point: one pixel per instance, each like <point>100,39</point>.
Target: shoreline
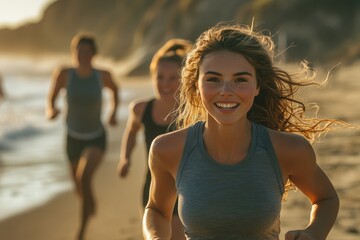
<point>118,204</point>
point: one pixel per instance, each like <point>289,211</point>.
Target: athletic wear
<point>151,130</point>
<point>75,147</point>
<point>240,201</point>
<point>83,120</point>
<point>84,98</point>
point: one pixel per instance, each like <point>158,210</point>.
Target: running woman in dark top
<point>151,130</point>
<point>86,136</point>
<point>155,114</point>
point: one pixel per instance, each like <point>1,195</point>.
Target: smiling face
<point>227,85</point>
<point>166,80</point>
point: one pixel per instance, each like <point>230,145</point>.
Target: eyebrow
<point>236,74</point>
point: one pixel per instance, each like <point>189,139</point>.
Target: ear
<point>257,91</point>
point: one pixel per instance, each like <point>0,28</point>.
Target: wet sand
<point>119,199</point>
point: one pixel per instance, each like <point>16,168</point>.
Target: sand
<point>119,199</point>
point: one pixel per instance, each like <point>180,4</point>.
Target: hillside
<point>321,31</point>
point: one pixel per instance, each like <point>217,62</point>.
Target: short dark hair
<point>84,38</point>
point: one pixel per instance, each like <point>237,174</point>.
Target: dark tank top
<point>151,129</point>
<point>84,98</point>
<point>220,201</point>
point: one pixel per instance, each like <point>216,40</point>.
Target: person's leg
<point>88,163</point>
<point>74,148</point>
<point>73,170</point>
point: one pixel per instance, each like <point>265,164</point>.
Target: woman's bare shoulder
<point>137,107</point>
<point>169,142</point>
<point>290,142</point>
<point>292,150</point>
<point>167,149</point>
<point>60,75</point>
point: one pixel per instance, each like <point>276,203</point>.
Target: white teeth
<point>226,105</point>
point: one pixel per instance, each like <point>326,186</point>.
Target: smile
<point>166,90</point>
<point>227,105</point>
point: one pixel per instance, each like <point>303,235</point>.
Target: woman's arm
<point>110,84</point>
<point>163,160</point>
<point>129,137</point>
<point>302,169</point>
<point>58,82</point>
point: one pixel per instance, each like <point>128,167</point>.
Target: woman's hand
<point>113,120</point>
<point>52,113</point>
<point>299,235</point>
<point>123,168</point>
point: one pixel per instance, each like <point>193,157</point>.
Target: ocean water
<point>30,157</point>
<point>33,164</point>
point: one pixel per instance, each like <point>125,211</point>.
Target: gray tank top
<point>84,99</point>
<point>219,201</point>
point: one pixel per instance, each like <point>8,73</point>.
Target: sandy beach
<point>118,215</point>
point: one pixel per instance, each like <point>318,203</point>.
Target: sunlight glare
<point>15,13</point>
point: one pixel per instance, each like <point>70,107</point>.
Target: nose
<point>166,82</point>
<point>226,88</point>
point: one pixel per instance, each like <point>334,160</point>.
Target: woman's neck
<point>227,144</point>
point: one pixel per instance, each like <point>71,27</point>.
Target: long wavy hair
<point>276,106</point>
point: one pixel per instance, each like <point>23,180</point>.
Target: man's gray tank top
<point>84,99</point>
<point>240,201</point>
